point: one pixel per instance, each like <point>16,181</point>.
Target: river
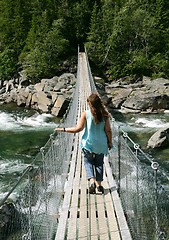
<point>140,127</point>
<point>23,132</point>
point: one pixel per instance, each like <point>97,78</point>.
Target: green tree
<point>44,59</point>
<point>81,19</point>
<point>123,36</point>
<point>6,23</point>
<point>15,22</point>
<point>21,24</point>
<point>94,38</point>
<point>8,64</point>
<point>132,35</point>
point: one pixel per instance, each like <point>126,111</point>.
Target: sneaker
<point>92,188</point>
<point>100,189</point>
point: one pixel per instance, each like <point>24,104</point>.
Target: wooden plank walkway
<point>90,216</point>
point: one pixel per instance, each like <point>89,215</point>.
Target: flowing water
<point>140,127</point>
<point>23,132</point>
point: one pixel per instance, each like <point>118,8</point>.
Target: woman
<point>96,140</point>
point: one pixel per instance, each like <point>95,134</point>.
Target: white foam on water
<point>13,195</point>
<point>11,166</point>
<point>38,120</point>
<point>7,121</point>
<point>11,121</point>
<point>139,123</point>
<point>151,123</point>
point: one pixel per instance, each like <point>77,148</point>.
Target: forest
<point>122,37</point>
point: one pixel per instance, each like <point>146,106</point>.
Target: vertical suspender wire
<point>29,236</point>
<point>138,221</point>
<point>119,160</point>
<point>154,166</point>
<point>45,189</point>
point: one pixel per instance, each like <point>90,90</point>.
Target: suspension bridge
<point>55,203</point>
<point>86,216</point>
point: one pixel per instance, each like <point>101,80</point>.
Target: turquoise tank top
<point>94,138</point>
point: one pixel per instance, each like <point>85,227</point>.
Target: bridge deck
<point>84,215</point>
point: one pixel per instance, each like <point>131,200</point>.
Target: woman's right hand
<point>110,145</point>
<point>59,129</point>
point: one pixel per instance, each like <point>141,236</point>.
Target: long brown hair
<point>97,108</point>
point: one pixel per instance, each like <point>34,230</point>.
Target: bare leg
<point>92,188</point>
<point>92,180</point>
<point>98,184</point>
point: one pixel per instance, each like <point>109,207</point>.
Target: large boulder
<point>44,102</point>
<point>49,95</point>
<point>60,106</point>
<point>67,78</point>
<point>22,95</point>
<point>119,95</point>
<point>159,139</point>
<point>142,101</point>
<point>139,95</point>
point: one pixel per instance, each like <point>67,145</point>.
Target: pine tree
<point>94,38</point>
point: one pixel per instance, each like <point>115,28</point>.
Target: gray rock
<point>145,101</point>
<point>119,95</point>
<point>54,96</point>
<point>28,100</point>
<point>59,86</point>
<point>21,97</point>
<point>2,90</point>
<point>43,102</point>
<point>50,82</point>
<point>39,86</point>
<point>42,96</point>
<point>67,78</point>
<point>159,139</point>
<point>145,95</point>
<point>60,106</point>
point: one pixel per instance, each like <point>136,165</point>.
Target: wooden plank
<point>72,221</point>
<point>83,221</point>
<point>111,218</point>
<point>61,230</point>
<point>102,220</point>
<point>73,211</point>
<point>93,221</point>
<point>122,223</point>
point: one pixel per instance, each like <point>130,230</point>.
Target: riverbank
<point>129,94</point>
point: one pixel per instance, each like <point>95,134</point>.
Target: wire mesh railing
<point>33,215</point>
<point>143,188</point>
<point>90,76</point>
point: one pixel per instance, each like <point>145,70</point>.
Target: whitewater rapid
<point>13,121</point>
